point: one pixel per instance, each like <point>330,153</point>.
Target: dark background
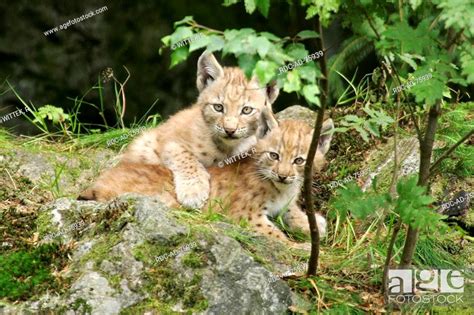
<point>59,67</point>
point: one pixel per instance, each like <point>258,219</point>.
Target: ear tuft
<point>327,131</point>
<point>268,121</point>
<point>272,91</point>
<point>208,70</point>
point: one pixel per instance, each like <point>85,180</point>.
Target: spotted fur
<point>254,189</point>
<point>231,111</point>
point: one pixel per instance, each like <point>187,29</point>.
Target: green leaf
<point>198,41</point>
<point>250,6</point>
<point>179,55</point>
<point>408,59</point>
<point>307,34</point>
<point>403,37</point>
<point>265,71</point>
<point>263,6</point>
<point>166,40</point>
<point>185,20</point>
<point>292,83</point>
<point>296,51</point>
<point>229,2</point>
<point>181,33</point>
<point>310,93</point>
<point>263,45</point>
<point>415,4</point>
<point>458,14</point>
<point>270,36</point>
<point>467,64</point>
<point>308,72</point>
<point>216,43</point>
<point>247,64</point>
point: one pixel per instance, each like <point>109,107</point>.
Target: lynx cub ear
<point>272,91</point>
<point>268,121</point>
<point>326,135</point>
<point>208,70</point>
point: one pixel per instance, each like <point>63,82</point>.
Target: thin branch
<point>426,150</point>
<point>450,150</point>
<point>122,92</point>
<point>197,25</point>
<point>308,168</point>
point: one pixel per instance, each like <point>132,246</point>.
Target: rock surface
<point>108,275</point>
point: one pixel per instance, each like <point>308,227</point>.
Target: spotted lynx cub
<point>229,114</point>
<point>254,189</point>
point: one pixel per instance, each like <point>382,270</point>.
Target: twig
<point>122,92</point>
<point>11,178</point>
<point>197,25</point>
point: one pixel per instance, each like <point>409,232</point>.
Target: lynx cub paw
<point>191,193</point>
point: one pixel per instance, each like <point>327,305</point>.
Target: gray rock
<point>154,222</point>
<point>298,112</point>
<point>236,284</point>
<point>96,292</point>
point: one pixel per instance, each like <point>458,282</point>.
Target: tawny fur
<point>201,136</point>
<point>253,189</point>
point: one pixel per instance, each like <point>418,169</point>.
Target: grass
<point>352,256</point>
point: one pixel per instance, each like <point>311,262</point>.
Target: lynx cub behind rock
<point>229,114</point>
<point>254,189</point>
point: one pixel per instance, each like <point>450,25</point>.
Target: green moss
<point>161,277</point>
<point>80,305</point>
<point>44,223</point>
<point>194,260</point>
<point>24,274</point>
<point>101,250</point>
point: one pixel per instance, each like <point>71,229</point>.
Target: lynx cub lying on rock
<point>228,115</point>
<point>257,187</point>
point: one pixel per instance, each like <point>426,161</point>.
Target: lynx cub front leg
<point>297,219</point>
<point>191,178</point>
<point>261,224</point>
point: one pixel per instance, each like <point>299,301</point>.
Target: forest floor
<point>36,172</point>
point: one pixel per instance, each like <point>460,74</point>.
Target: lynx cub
<point>254,189</point>
<point>229,114</point>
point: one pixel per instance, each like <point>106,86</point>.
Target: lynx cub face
<point>233,107</point>
<point>282,156</point>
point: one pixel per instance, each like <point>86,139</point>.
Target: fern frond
<point>354,51</point>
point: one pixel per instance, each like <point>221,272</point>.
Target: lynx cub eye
<point>298,161</point>
<point>274,156</point>
<point>218,107</point>
<point>247,110</point>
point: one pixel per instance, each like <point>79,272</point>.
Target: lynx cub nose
<point>229,132</point>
